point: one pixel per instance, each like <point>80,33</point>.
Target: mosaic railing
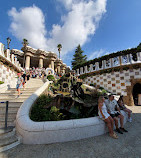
<point>6,55</point>
<point>112,62</point>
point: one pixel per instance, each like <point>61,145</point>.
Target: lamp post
<point>8,42</point>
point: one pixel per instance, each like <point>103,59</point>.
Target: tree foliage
<point>25,42</point>
<point>59,46</point>
<point>79,58</point>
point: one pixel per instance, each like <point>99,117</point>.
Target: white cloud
<point>79,24</point>
<point>97,54</point>
<point>29,23</point>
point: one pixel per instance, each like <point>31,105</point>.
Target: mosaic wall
<point>115,82</point>
<point>6,75</point>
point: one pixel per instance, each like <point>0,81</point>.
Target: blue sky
<point>100,26</point>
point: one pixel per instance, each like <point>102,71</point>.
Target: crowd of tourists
<point>110,112</point>
<point>25,75</point>
<point>33,72</point>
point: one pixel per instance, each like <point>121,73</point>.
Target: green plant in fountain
<point>39,111</point>
<point>50,78</point>
<point>1,82</point>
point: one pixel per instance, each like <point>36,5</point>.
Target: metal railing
<point>6,113</point>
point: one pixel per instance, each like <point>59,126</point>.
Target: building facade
<point>30,57</point>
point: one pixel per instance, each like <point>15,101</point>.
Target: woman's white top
<point>104,111</point>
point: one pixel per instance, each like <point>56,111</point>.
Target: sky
<point>99,26</point>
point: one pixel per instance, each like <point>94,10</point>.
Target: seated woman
<point>123,107</point>
<point>103,114</point>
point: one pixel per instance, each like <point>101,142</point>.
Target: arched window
<point>136,92</point>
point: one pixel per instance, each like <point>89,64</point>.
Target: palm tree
<point>59,46</point>
<point>25,43</point>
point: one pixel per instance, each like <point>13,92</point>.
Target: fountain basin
<point>55,131</point>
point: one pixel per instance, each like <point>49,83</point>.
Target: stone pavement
<point>127,146</point>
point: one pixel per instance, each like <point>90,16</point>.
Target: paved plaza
<point>127,146</point>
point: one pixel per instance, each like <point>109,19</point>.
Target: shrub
<point>50,78</point>
<point>40,113</point>
<point>1,82</point>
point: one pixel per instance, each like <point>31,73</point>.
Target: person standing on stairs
<point>19,84</point>
<point>24,76</point>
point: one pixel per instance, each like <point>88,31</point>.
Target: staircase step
<point>8,143</point>
<point>6,133</point>
<point>10,118</point>
<point>26,89</point>
<point>9,123</point>
<point>6,97</point>
<point>11,105</point>
<point>11,115</point>
<point>14,94</point>
<point>10,110</point>
<point>14,100</point>
<point>6,130</point>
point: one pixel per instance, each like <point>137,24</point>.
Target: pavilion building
<point>30,57</point>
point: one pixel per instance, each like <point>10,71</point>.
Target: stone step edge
<point>12,145</point>
<point>4,131</point>
<point>8,134</point>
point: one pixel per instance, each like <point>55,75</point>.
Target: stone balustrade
<point>110,63</point>
<point>6,55</point>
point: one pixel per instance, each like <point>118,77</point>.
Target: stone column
<point>58,68</point>
<point>85,69</point>
<point>15,61</point>
<point>120,61</point>
<point>40,62</point>
<point>97,66</point>
<point>104,64</point>
<point>12,58</point>
<point>52,64</point>
<point>7,54</point>
<point>111,60</point>
<point>1,49</point>
<point>139,56</point>
<point>91,67</point>
<point>27,62</point>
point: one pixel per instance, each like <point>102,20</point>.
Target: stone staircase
<point>14,103</point>
<point>8,139</point>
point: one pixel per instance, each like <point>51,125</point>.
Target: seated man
<point>114,111</point>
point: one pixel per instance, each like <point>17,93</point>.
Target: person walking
<point>19,84</point>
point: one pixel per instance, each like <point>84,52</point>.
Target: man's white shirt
<point>111,106</point>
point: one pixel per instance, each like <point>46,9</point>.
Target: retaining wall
<point>55,131</point>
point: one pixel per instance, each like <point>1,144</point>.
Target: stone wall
<point>9,67</point>
<point>6,74</point>
<point>117,82</point>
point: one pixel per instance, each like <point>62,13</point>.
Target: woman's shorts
<point>115,115</point>
<point>18,86</point>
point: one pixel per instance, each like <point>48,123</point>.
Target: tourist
<point>19,84</point>
<point>114,111</point>
<point>123,107</point>
<point>28,75</point>
<point>103,114</point>
<point>23,74</point>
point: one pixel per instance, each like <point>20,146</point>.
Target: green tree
<point>25,42</point>
<point>59,46</point>
<point>79,58</point>
<point>139,46</point>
